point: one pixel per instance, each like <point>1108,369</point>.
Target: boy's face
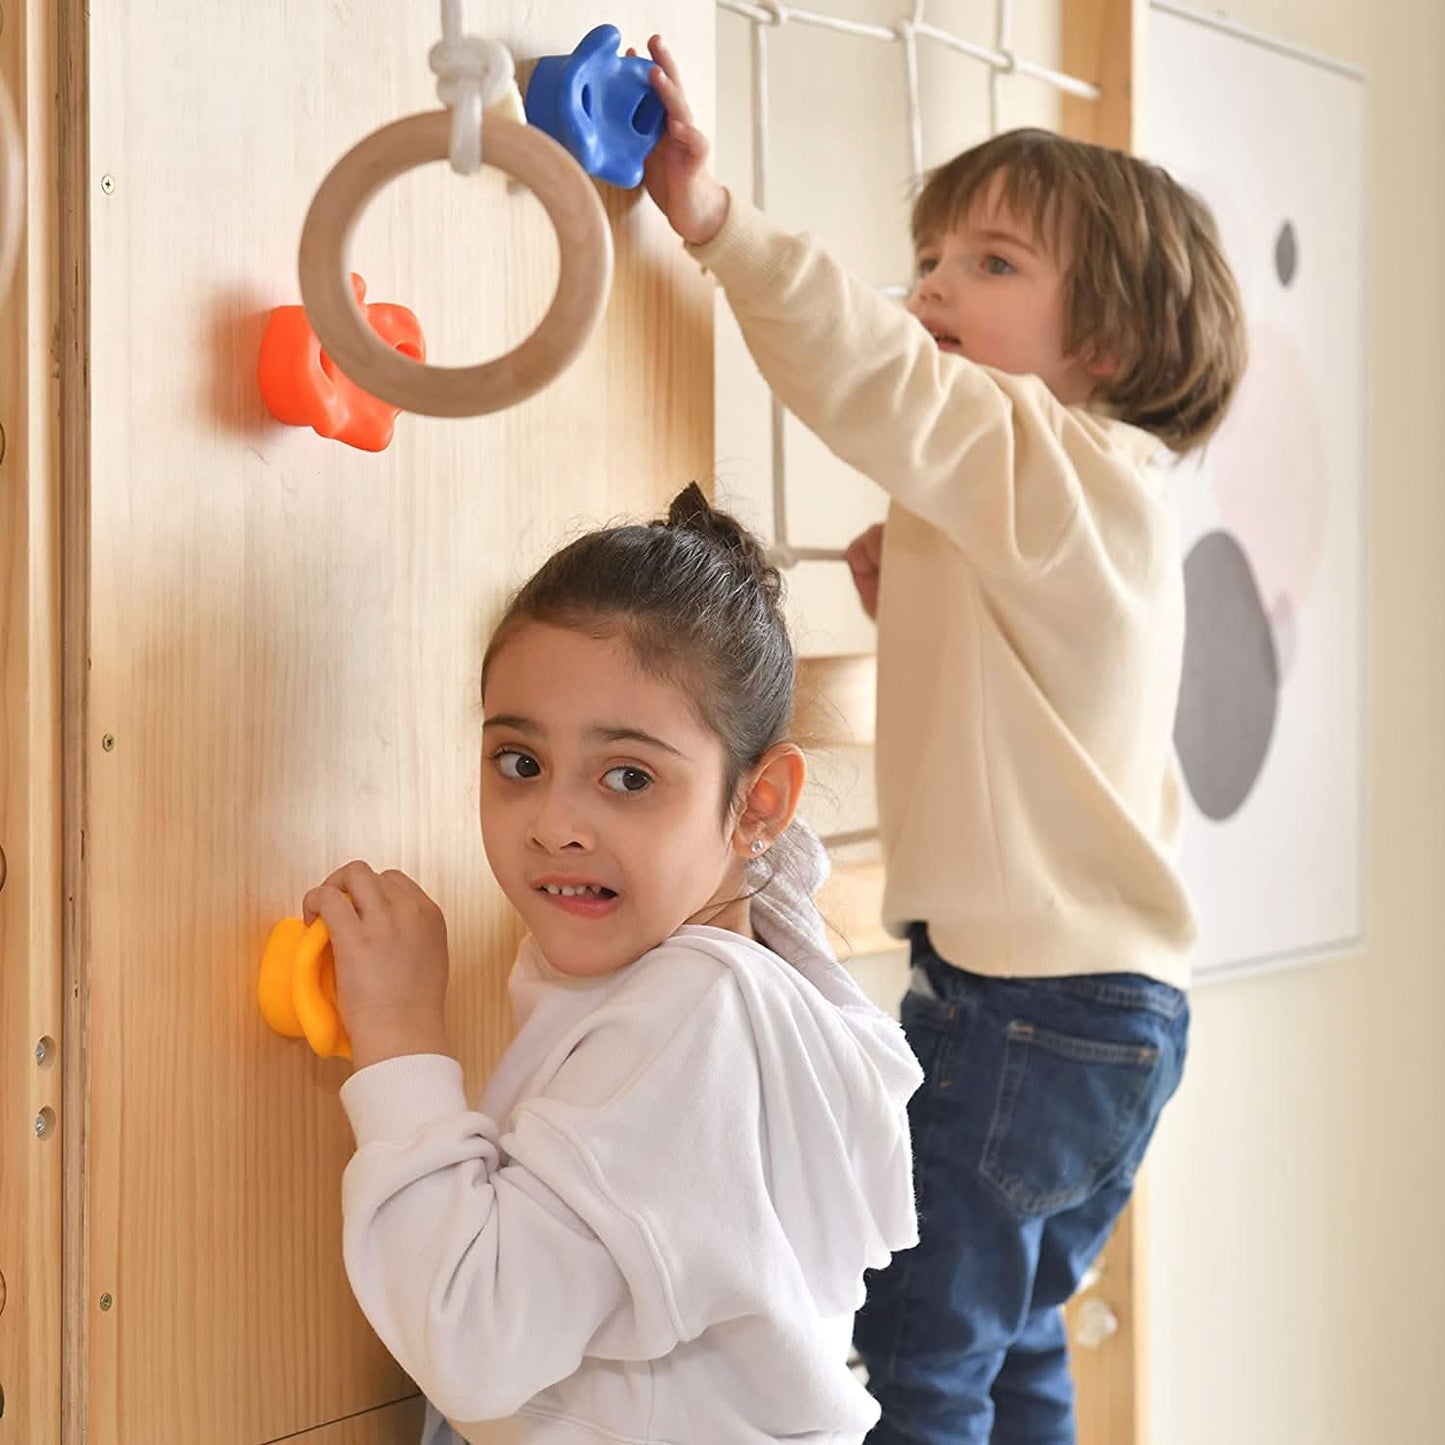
<point>992,290</point>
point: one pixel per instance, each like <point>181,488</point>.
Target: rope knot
<point>472,74</point>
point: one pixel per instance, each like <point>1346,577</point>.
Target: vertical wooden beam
<point>32,1039</point>
<point>1109,1337</point>
<point>72,186</point>
<point>1102,41</point>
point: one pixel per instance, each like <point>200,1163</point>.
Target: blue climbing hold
<point>600,105</point>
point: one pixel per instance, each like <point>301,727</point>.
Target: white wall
<point>1298,1272</point>
<point>1298,1277</point>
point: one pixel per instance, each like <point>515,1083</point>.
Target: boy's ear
<point>1101,365</point>
<point>770,796</point>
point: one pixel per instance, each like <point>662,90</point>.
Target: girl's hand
<point>390,944</point>
<point>676,174</point>
<point>865,562</point>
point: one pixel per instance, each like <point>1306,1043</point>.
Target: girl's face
<point>602,801</point>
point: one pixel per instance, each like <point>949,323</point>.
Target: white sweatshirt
<point>655,1227</point>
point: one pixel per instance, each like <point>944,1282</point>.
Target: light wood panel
<point>31,1034</point>
<point>1112,1372</point>
<point>836,701</point>
<point>851,902</point>
<point>1103,41</point>
<point>401,1421</point>
<point>284,643</point>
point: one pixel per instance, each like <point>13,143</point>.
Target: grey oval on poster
<point>1229,692</point>
<point>1286,254</point>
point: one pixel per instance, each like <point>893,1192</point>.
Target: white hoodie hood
<point>656,1226</point>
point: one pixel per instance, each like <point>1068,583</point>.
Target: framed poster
<point>1271,723</point>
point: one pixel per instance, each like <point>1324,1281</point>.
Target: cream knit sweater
<point>1030,628</point>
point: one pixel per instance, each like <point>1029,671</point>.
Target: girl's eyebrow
<point>614,734</point>
<point>514,723</point>
<point>632,735</point>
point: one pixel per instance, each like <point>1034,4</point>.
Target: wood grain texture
<point>1112,1378</point>
<point>1102,41</point>
<point>395,1424</point>
<point>30,758</point>
<point>285,636</point>
<point>837,701</point>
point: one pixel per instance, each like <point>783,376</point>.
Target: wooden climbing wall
<point>273,644</point>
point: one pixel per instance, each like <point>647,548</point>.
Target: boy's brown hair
<point>1148,285</point>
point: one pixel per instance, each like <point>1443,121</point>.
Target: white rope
<point>908,34</point>
<point>1000,60</point>
<point>472,74</point>
<point>768,12</point>
<point>777,420</point>
<point>1003,39</point>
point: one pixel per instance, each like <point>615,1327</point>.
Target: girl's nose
<point>559,824</point>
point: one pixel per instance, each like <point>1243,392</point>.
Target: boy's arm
<point>982,455</point>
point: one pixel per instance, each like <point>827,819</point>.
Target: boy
<point>1075,310</point>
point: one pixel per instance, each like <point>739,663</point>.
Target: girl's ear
<point>770,797</point>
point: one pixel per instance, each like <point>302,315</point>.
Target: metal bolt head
<point>45,1123</point>
<point>106,1301</point>
<point>107,184</point>
<point>108,742</point>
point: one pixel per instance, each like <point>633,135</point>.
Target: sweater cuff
<point>393,1101</point>
<point>744,255</point>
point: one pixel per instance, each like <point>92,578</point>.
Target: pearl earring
<point>757,846</point>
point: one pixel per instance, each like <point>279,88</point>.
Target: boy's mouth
<point>946,342</point>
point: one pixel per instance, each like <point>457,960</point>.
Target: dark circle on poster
<point>1229,692</point>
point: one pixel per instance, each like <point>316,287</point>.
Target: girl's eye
<point>996,266</point>
<point>626,780</point>
<point>517,765</point>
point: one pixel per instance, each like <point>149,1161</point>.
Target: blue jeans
<point>1039,1099</point>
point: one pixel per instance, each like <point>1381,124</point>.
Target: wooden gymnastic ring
<point>584,245</point>
<point>12,189</point>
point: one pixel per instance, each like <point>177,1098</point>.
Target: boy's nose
<point>925,289</point>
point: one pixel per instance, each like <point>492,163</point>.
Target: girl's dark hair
<point>700,605</point>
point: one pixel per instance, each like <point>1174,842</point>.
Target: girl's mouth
<point>584,900</point>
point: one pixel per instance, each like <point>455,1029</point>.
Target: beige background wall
<point>1297,1260</point>
<point>1297,1266</point>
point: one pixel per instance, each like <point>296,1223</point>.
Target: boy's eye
<point>926,264</point>
<point>517,765</point>
<point>626,779</point>
<point>997,265</point>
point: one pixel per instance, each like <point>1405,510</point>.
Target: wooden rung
<point>851,903</point>
<point>835,701</point>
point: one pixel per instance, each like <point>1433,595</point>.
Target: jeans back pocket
<point>1070,1111</point>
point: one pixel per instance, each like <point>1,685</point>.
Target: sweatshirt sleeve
<point>989,458</point>
<point>486,1280</point>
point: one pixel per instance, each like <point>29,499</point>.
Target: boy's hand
<point>390,944</point>
<point>865,561</point>
<point>676,174</point>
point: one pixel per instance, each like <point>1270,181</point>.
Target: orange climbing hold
<point>302,387</point>
<point>297,989</point>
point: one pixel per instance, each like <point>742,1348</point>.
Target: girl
<point>654,1228</point>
